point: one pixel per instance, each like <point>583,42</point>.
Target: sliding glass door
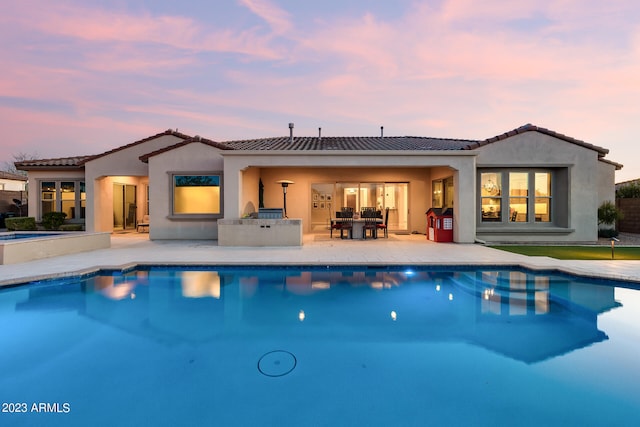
<point>396,198</point>
<point>329,198</point>
<point>124,207</point>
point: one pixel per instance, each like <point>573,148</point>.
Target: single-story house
<point>530,184</point>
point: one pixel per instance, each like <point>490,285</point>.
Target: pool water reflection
<point>358,346</point>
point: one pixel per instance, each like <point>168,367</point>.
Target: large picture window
<point>197,194</point>
<point>63,196</point>
<point>516,196</point>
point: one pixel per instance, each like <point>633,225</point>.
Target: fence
<point>8,205</point>
<point>630,208</point>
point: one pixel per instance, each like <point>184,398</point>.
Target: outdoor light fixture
<point>613,246</point>
<point>285,183</point>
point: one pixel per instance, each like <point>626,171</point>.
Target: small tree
<point>18,157</point>
<point>608,214</point>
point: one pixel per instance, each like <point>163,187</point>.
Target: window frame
<point>505,197</point>
<point>197,216</point>
<point>79,204</point>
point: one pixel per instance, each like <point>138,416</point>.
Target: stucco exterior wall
<point>250,191</point>
<point>121,163</point>
<point>585,179</point>
<point>191,158</point>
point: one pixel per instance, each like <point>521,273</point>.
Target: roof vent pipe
<point>381,131</point>
<point>291,132</point>
<point>319,132</point>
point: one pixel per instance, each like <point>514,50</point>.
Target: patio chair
<point>383,226</point>
<point>335,223</point>
<point>144,223</point>
<point>370,223</point>
<point>346,222</point>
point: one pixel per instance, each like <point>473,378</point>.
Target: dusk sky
<point>84,76</point>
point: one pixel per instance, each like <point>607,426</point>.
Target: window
<point>526,193</point>
<point>197,194</point>
<point>542,209</point>
<point>47,197</point>
<point>518,196</point>
<point>490,196</point>
<point>437,198</point>
<point>442,193</point>
<point>69,197</point>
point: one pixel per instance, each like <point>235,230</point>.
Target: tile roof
<point>344,143</point>
<point>531,128</point>
<point>79,161</point>
<point>305,143</point>
<point>141,141</point>
<point>59,163</point>
<point>197,138</point>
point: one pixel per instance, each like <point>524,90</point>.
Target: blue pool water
<point>315,346</point>
<point>18,236</point>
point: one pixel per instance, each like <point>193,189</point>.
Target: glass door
<point>392,195</point>
<point>396,198</point>
<point>124,207</point>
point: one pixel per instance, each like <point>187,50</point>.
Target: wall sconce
<point>285,184</point>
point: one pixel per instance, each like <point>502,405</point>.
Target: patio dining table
<point>358,224</point>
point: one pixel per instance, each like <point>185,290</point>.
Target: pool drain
<point>277,363</point>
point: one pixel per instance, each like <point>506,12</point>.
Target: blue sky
<point>85,76</point>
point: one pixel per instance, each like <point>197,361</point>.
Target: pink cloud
<point>108,26</point>
<point>278,19</point>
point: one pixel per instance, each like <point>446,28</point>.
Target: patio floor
<point>132,248</point>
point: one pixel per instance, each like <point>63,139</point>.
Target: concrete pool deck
<point>129,249</point>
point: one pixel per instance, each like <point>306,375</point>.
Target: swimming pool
<point>18,236</point>
<point>320,346</point>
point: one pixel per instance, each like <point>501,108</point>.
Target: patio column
<point>464,206</point>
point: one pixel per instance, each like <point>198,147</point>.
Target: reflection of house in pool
<point>533,318</point>
<point>523,316</point>
<point>191,312</point>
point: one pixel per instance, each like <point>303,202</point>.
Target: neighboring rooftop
<point>629,182</point>
<point>12,176</point>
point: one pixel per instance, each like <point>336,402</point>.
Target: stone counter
<point>259,232</point>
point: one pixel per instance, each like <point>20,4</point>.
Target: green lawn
<point>575,252</point>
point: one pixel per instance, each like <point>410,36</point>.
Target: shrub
<point>608,214</point>
<point>20,223</point>
<point>53,220</point>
